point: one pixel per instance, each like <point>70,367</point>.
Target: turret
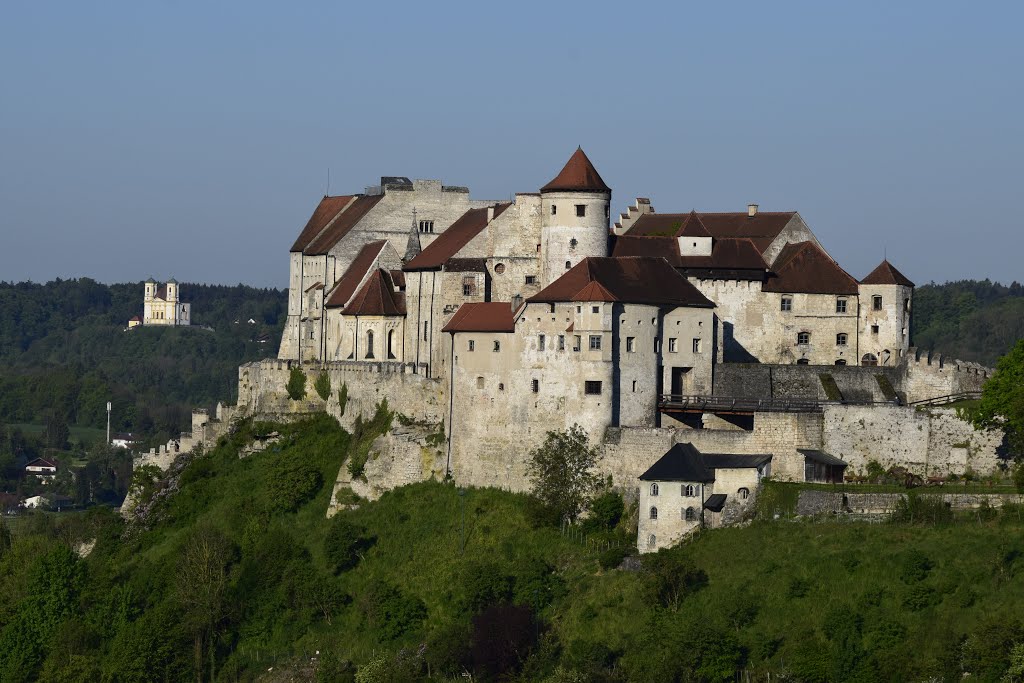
<point>574,209</point>
<point>885,301</point>
<point>172,290</point>
<point>150,289</point>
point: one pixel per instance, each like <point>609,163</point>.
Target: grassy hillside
<point>239,571</point>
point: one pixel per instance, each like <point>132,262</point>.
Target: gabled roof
<point>726,254</point>
<point>452,240</point>
<point>683,462</point>
<point>802,267</point>
<point>377,297</point>
<point>822,457</point>
<point>325,211</point>
<point>41,462</point>
<point>357,270</point>
<point>341,224</point>
<point>886,274</point>
<point>490,316</point>
<point>578,175</point>
<point>635,280</point>
<point>693,227</point>
<point>762,228</point>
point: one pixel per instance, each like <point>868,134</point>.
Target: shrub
<point>915,567</point>
<point>343,397</point>
<point>292,482</point>
<point>921,509</point>
<point>919,597</point>
<point>605,512</point>
<point>483,584</point>
<point>670,577</point>
<point>612,557</point>
<point>389,611</point>
<point>798,587</point>
<point>323,385</point>
<point>344,544</point>
<point>874,470</point>
<point>296,386</point>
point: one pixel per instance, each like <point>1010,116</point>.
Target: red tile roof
<point>726,254</point>
<point>693,227</point>
<point>452,240</point>
<point>637,280</point>
<point>341,224</point>
<point>377,297</point>
<point>578,175</point>
<point>886,274</point>
<point>762,228</point>
<point>357,270</point>
<point>491,316</point>
<point>325,211</point>
<point>802,267</point>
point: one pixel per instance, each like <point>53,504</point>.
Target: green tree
<point>323,385</point>
<point>296,386</point>
<point>1002,399</point>
<point>343,544</point>
<point>561,471</point>
<point>343,397</point>
<point>670,576</point>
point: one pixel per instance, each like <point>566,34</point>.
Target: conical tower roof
<point>578,175</point>
<point>413,246</point>
<point>886,274</point>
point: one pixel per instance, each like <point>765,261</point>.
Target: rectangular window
<point>469,286</point>
<point>579,309</point>
<point>471,346</point>
<point>497,346</point>
<point>561,342</point>
<point>531,279</point>
<point>425,323</point>
<point>840,339</point>
<point>841,305</point>
<point>554,209</point>
<point>541,342</point>
<point>591,388</point>
<point>595,342</point>
<point>803,338</point>
<point>630,344</point>
<point>577,342</point>
<point>581,210</point>
<point>535,385</point>
<point>876,302</point>
<point>696,345</point>
<point>426,226</point>
<point>787,303</point>
<point>595,309</point>
<point>672,345</point>
<point>874,329</point>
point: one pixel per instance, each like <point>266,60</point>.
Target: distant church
<point>162,307</point>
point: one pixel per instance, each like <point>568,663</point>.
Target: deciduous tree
<point>562,472</point>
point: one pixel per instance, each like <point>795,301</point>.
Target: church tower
<point>574,210</point>
<point>172,291</point>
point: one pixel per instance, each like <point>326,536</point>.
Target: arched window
<point>743,493</point>
<point>391,344</point>
<point>690,515</point>
<point>369,344</point>
<point>803,338</point>
<point>803,361</point>
<point>841,361</point>
<point>568,265</point>
<point>652,541</point>
<point>654,513</point>
<point>689,490</point>
<point>654,489</point>
<point>869,359</point>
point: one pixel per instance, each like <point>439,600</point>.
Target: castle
<point>701,352</point>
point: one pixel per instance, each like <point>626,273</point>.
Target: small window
<point>654,512</point>
<point>652,541</point>
<point>634,386</point>
<point>841,305</point>
<point>531,279</point>
<point>689,490</point>
<point>803,338</point>
<point>369,343</point>
<point>501,386</point>
<point>554,209</point>
<point>581,210</point>
<point>499,268</point>
<point>690,515</point>
<point>630,344</point>
<point>654,489</point>
<point>876,302</point>
<point>841,339</point>
<point>573,243</point>
<point>577,342</point>
<point>743,493</point>
<point>579,309</point>
<point>497,346</point>
<point>591,388</point>
<point>561,342</point>
<point>469,286</point>
<point>595,309</point>
<point>535,385</point>
<point>869,359</point>
<point>696,345</point>
<point>568,265</point>
<point>471,346</point>
<point>787,303</point>
<point>672,348</point>
<point>803,361</point>
<point>427,226</point>
<point>551,308</point>
<point>874,329</point>
<point>479,382</point>
<point>426,329</point>
<point>595,342</point>
<point>541,342</point>
<point>841,361</point>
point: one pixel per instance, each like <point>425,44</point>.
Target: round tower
<point>574,213</point>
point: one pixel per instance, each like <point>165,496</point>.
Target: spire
<point>412,247</point>
<point>578,175</point>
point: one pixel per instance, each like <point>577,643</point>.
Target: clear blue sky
<point>192,139</point>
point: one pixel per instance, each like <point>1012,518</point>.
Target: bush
<point>612,557</point>
<point>390,612</point>
<point>343,545</point>
<point>605,512</point>
<point>296,386</point>
<point>292,482</point>
<point>915,567</point>
<point>921,509</point>
<point>670,577</point>
<point>343,398</point>
<point>323,385</point>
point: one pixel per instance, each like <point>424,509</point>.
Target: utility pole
<point>108,423</point>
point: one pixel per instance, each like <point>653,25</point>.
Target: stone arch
<point>654,512</point>
<point>869,359</point>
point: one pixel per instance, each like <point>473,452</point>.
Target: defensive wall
<point>811,503</point>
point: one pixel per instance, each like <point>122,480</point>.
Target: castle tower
<point>172,291</point>
<point>574,211</point>
<point>885,300</point>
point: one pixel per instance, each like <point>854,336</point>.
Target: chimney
<point>751,210</point>
<point>490,214</point>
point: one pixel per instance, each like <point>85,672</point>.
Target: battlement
<point>931,358</point>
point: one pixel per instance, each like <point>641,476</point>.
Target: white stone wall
<point>671,503</point>
<point>560,229</point>
<point>886,332</point>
